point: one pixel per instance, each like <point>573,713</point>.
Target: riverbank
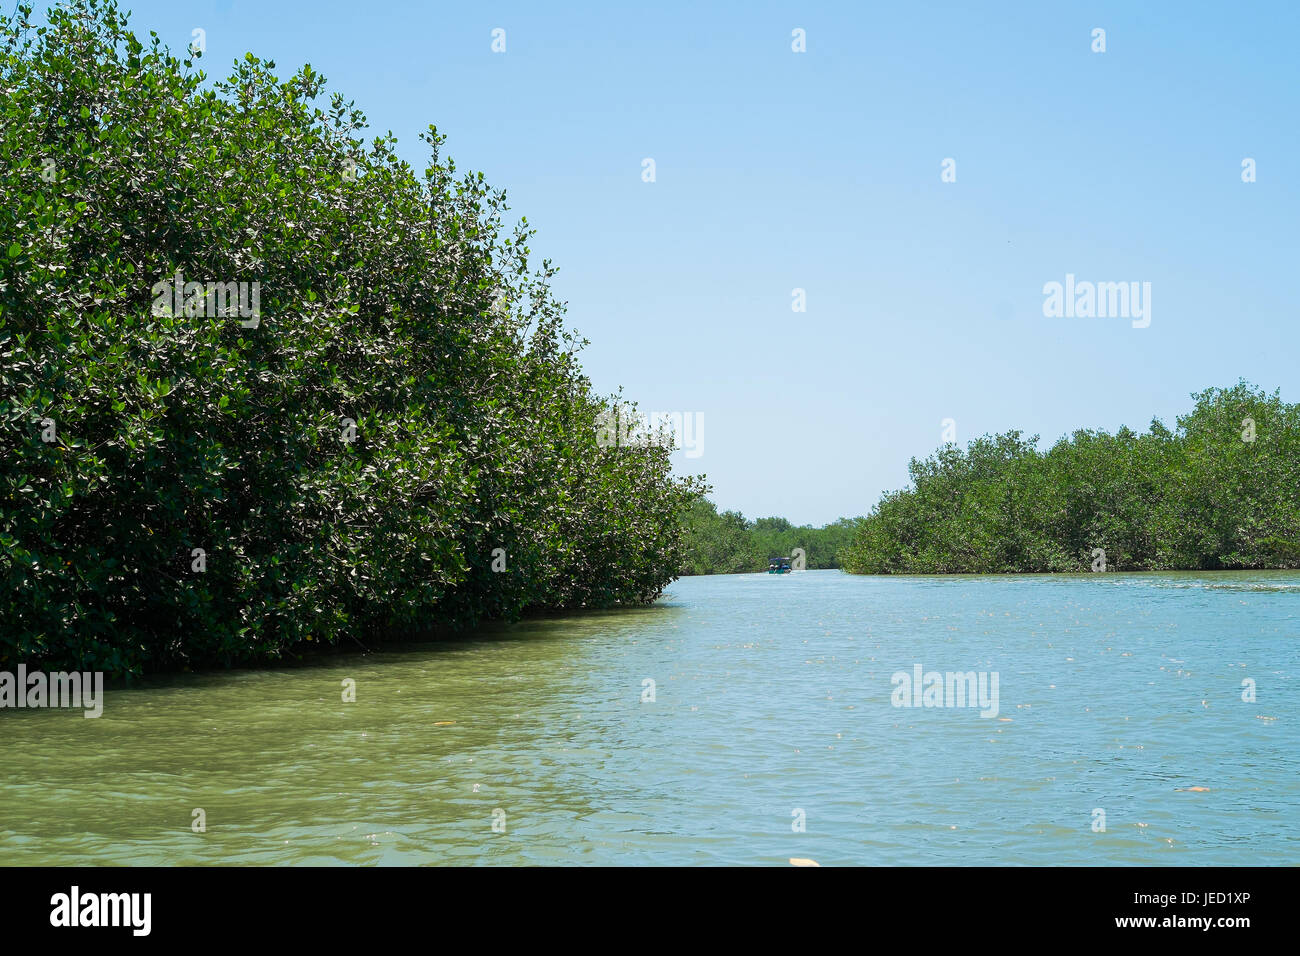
<point>1216,492</point>
<point>345,405</point>
<point>730,543</point>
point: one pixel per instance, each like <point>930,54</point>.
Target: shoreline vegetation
<point>264,386</point>
<point>1219,491</point>
<point>729,543</point>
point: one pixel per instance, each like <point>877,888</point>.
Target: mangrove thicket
<point>264,383</point>
<point>1220,490</point>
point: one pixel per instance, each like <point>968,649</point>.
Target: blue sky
<point>821,170</point>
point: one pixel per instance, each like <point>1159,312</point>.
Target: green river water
<point>773,704</point>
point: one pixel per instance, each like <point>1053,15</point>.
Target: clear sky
<point>821,170</point>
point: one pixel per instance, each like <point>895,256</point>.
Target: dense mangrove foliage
<point>262,383</point>
<point>1219,491</point>
<point>728,543</point>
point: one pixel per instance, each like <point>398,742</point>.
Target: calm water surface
<point>772,694</point>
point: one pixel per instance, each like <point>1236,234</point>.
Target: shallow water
<point>772,695</point>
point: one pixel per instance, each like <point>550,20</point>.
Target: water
<point>772,695</point>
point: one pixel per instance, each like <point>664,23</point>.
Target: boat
<point>778,566</point>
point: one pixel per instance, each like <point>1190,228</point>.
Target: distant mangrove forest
<point>1221,490</point>
<point>729,543</point>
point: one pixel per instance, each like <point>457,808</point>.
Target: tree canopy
<point>1217,492</point>
<point>728,543</point>
<point>393,434</point>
